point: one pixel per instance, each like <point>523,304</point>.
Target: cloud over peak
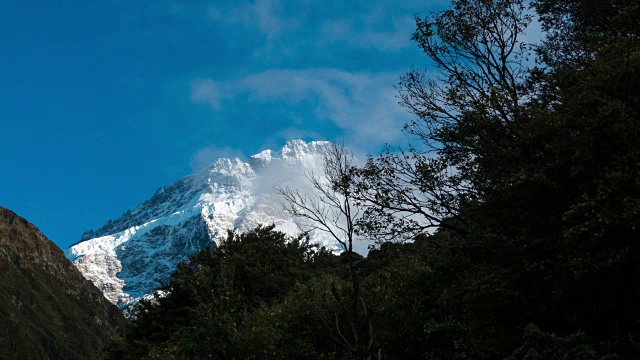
<point>362,104</point>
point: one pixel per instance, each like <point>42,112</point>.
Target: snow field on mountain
<point>127,256</point>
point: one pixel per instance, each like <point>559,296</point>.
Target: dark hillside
<point>48,310</point>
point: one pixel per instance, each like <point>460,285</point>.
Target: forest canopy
<point>520,200</point>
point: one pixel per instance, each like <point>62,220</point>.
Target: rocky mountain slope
<point>126,257</point>
<point>48,310</point>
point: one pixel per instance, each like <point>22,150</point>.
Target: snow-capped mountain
<point>126,256</point>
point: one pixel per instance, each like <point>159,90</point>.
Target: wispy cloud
<point>313,70</point>
<point>380,25</point>
<point>207,91</point>
<point>370,30</point>
<point>362,104</point>
<point>267,16</point>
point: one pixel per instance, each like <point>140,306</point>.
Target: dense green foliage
<point>227,303</point>
<point>523,213</point>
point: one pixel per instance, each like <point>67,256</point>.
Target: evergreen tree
<point>522,203</point>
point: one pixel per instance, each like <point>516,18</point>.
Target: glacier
<point>127,258</point>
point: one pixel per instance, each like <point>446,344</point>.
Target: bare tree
<point>407,194</point>
<point>333,210</point>
<point>465,108</point>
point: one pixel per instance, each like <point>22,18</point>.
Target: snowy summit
<point>126,256</point>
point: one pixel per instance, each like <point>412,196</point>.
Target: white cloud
<point>267,16</point>
<point>364,34</point>
<point>206,91</point>
<point>382,25</point>
<point>364,105</point>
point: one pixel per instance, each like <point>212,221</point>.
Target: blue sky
<point>105,101</point>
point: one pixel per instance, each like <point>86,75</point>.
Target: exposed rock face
<point>48,310</point>
<point>125,257</point>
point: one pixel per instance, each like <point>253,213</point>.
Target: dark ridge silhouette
<point>48,310</point>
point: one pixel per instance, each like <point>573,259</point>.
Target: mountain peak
<point>227,165</point>
<point>235,168</point>
<point>261,159</point>
<point>299,149</point>
<point>126,256</point>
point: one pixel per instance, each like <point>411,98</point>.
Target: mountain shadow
<point>48,310</point>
